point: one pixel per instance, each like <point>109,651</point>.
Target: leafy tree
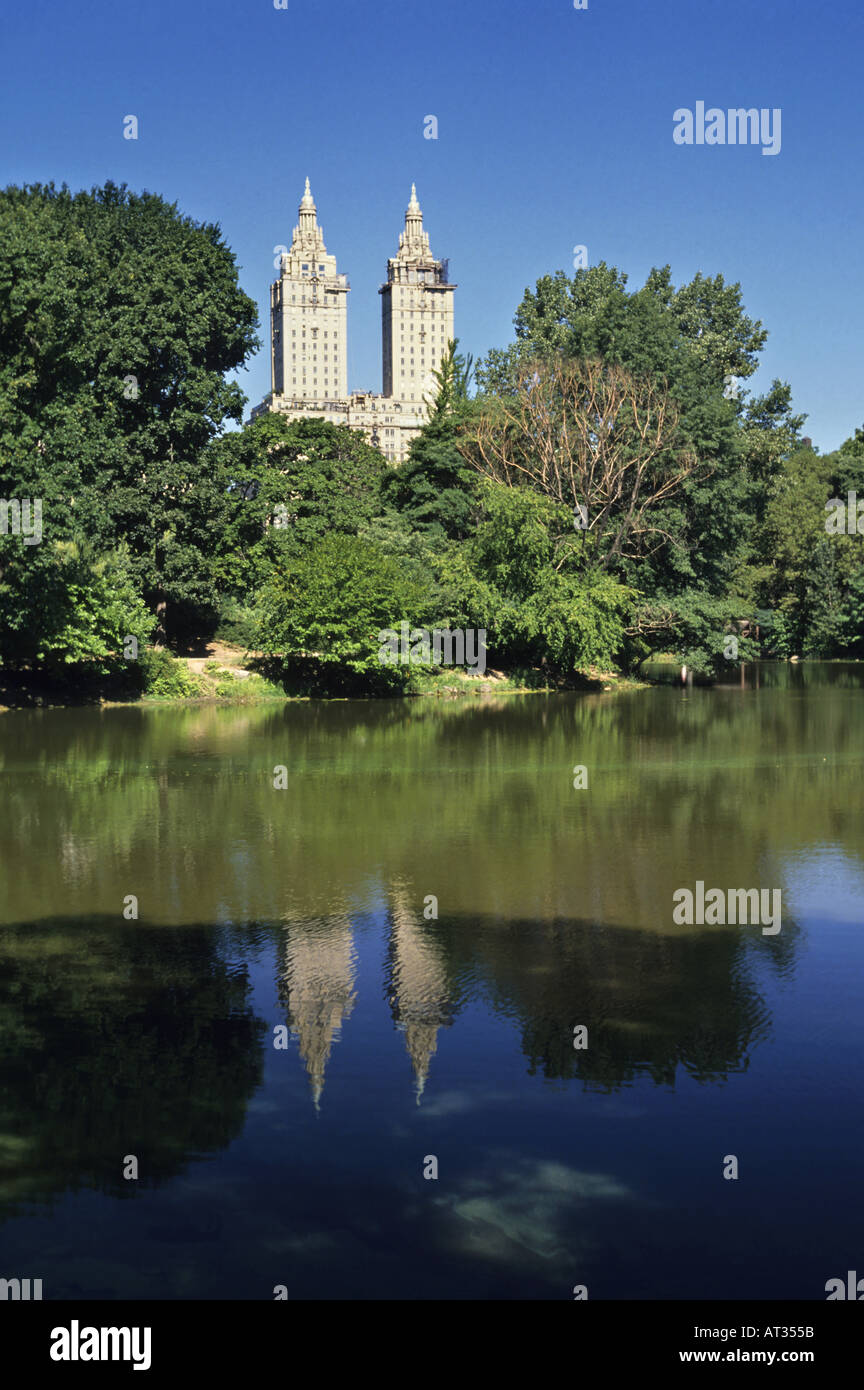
<point>322,611</point>
<point>452,383</point>
<point>823,602</point>
<point>655,329</point>
<point>164,676</point>
<point>691,341</point>
<point>69,606</point>
<point>714,565</point>
<point>711,318</point>
<point>287,484</point>
<point>520,582</point>
<point>697,628</point>
<point>850,629</point>
<point>119,319</point>
<point>846,467</point>
<point>793,525</point>
<point>590,436</point>
<point>435,489</point>
<point>836,603</point>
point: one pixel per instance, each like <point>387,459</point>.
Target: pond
<point>387,1000</point>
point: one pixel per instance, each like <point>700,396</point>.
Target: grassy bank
<point>221,672</point>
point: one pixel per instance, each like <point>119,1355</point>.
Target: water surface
<point>297,913</point>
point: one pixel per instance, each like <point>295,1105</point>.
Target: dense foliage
<point>601,490</point>
<point>119,319</point>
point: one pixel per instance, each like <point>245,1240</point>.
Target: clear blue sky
<point>555,129</point>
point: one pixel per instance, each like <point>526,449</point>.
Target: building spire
<point>414,240</point>
<point>308,228</point>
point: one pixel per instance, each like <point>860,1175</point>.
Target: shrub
<point>165,677</point>
<point>237,624</point>
<point>321,614</point>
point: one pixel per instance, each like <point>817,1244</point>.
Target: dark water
<point>410,1037</point>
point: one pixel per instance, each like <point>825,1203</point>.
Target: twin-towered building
<point>309,335</point>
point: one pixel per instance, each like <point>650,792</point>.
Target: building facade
<point>309,335</point>
<point>309,317</point>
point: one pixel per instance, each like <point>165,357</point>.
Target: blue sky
<point>554,130</point>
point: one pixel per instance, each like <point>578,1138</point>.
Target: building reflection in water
<point>418,990</point>
<point>658,1003</point>
<point>316,986</point>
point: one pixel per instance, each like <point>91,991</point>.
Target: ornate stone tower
<point>416,313</point>
<point>309,359</point>
<point>308,322</point>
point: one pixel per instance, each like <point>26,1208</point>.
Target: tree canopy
<point>119,321</point>
<point>603,488</point>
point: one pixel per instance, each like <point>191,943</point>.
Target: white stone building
<point>309,335</point>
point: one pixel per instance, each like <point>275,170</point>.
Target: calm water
<point>410,1037</point>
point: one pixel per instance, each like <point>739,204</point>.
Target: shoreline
<point>472,687</point>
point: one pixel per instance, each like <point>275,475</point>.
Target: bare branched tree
<point>595,438</point>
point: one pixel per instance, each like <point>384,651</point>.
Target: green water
<point>410,1035</point>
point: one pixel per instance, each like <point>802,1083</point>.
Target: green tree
<point>689,341</point>
<point>287,484</point>
<point>519,579</point>
<point>598,440</point>
<point>119,319</point>
<point>88,605</point>
<point>823,602</point>
<point>322,611</point>
<point>713,565</point>
<point>435,489</point>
